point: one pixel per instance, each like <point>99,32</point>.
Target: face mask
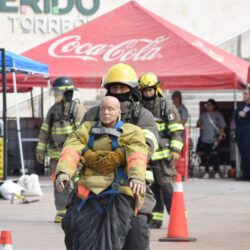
<point>68,95</point>
<point>58,97</point>
<point>121,97</point>
<point>146,98</point>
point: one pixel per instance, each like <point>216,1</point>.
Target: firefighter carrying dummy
<point>62,119</point>
<point>111,185</point>
<point>121,81</point>
<point>170,130</point>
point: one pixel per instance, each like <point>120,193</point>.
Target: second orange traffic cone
<point>6,240</point>
<point>177,227</point>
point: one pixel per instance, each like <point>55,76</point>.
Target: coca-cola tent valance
<point>134,35</point>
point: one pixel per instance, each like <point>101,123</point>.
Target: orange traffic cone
<point>6,241</point>
<point>177,227</point>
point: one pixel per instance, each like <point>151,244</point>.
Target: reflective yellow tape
<point>53,154</point>
<point>149,135</point>
<point>160,155</point>
<point>41,146</point>
<point>149,176</point>
<point>161,126</point>
<point>62,131</point>
<point>173,127</point>
<point>45,127</point>
<point>176,144</point>
<point>158,216</point>
<point>70,87</point>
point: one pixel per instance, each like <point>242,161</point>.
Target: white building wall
<point>212,20</point>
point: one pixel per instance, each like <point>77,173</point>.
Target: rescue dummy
<point>61,120</point>
<point>170,129</point>
<point>121,81</point>
<point>111,185</point>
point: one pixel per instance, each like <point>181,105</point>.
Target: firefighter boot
<point>157,220</point>
<point>59,215</point>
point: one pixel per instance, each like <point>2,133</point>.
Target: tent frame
<point>14,71</point>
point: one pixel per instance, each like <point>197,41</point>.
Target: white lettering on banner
<point>134,49</point>
<point>208,51</point>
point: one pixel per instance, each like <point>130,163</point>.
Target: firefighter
<point>121,81</point>
<point>110,181</point>
<point>62,119</point>
<point>170,130</point>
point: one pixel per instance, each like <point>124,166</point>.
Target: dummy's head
<point>110,111</point>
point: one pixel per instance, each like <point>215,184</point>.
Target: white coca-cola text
<point>134,49</point>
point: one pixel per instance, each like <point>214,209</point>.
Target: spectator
<point>211,124</point>
<point>177,100</point>
<point>242,133</point>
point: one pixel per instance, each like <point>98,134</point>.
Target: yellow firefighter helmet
<point>120,73</point>
<point>150,80</point>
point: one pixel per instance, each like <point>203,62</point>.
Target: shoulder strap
<point>136,111</point>
<point>114,132</point>
<point>71,110</point>
<point>212,123</point>
<point>52,117</point>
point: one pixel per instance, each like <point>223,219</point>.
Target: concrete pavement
<point>218,216</point>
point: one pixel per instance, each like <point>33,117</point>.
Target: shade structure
<point>26,67</point>
<point>14,64</point>
<point>134,35</point>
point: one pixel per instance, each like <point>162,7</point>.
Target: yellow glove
<point>40,157</point>
<point>174,156</point>
<point>104,162</point>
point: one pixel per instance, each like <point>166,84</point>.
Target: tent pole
<point>5,130</point>
<point>18,123</point>
<point>42,115</point>
<point>49,87</point>
<point>32,103</point>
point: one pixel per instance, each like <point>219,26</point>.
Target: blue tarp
<point>23,64</point>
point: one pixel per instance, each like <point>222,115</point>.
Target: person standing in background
<point>177,101</point>
<point>242,133</point>
<point>211,124</point>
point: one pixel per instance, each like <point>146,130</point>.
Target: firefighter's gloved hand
<point>62,180</point>
<point>174,156</point>
<point>40,157</point>
<point>104,162</point>
<point>137,186</point>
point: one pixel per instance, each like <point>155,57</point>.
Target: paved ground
<point>218,216</point>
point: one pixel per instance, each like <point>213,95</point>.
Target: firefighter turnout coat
<point>136,153</point>
<point>62,119</point>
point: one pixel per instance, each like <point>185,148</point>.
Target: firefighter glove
<point>40,157</point>
<point>174,156</point>
<point>137,186</point>
<point>104,162</point>
<point>62,180</point>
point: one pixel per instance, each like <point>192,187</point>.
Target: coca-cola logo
<point>134,49</point>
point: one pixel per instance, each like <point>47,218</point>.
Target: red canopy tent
<point>132,34</point>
